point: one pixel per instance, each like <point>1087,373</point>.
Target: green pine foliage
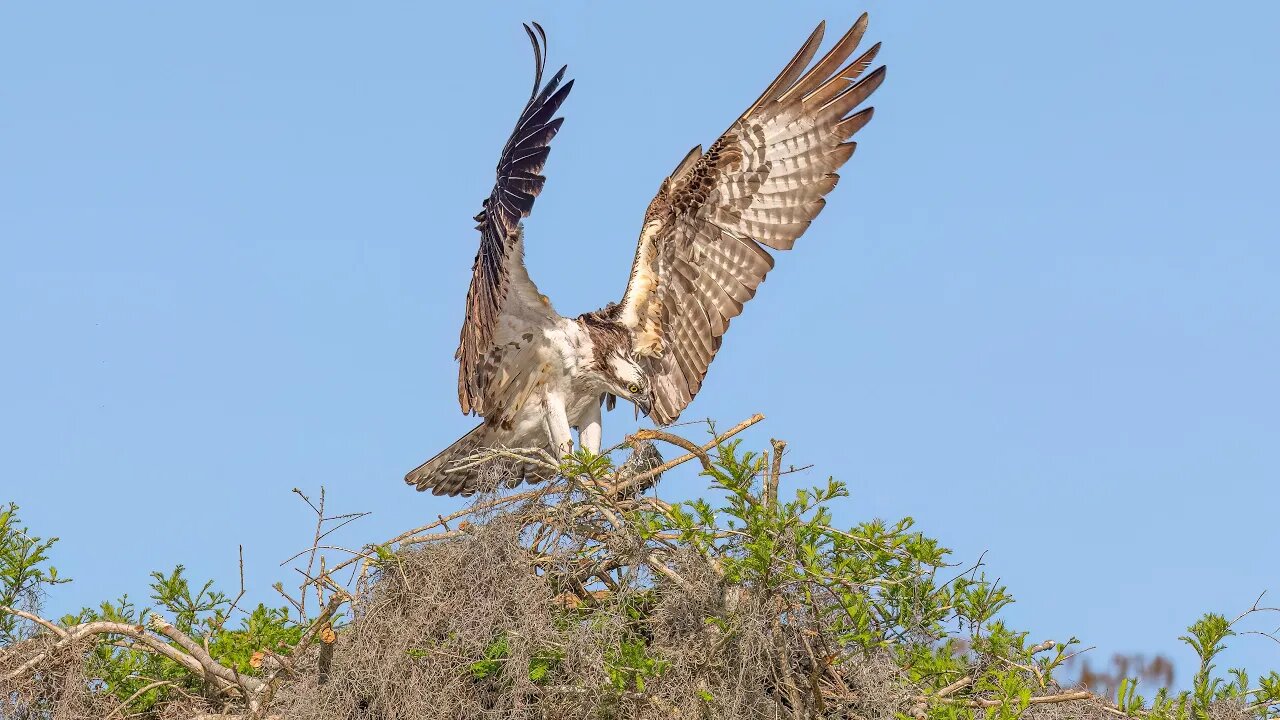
<point>25,572</point>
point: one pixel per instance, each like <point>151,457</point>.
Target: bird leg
<point>556,419</point>
<point>589,431</point>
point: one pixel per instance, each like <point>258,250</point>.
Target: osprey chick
<point>533,375</point>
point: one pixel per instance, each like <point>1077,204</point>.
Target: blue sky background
<point>1039,314</point>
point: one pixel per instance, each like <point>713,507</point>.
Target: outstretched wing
<point>700,254</point>
<point>518,184</point>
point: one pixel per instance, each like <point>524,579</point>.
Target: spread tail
<point>431,474</point>
<point>438,475</point>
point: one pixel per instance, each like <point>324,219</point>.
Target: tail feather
<point>438,476</point>
<point>430,474</point>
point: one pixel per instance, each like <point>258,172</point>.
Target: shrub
<point>589,597</point>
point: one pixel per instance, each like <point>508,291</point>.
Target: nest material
<point>537,605</point>
<point>413,651</point>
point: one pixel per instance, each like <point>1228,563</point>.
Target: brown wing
<point>518,183</point>
<point>701,253</point>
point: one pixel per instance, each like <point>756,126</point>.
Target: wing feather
<point>792,71</point>
<point>701,253</point>
<point>519,182</point>
<point>826,67</point>
<point>845,77</point>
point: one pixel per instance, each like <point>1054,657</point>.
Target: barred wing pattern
<point>700,254</point>
<point>519,182</point>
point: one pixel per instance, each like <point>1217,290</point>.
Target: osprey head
<point>625,378</point>
<point>615,362</point>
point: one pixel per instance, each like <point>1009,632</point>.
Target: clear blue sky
<point>1039,314</point>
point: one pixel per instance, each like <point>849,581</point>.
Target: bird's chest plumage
<point>570,368</point>
<point>534,361</point>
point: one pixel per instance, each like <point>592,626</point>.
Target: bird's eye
<point>633,388</point>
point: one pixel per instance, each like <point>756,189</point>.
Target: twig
<point>35,619</point>
<point>346,519</point>
<point>1041,647</point>
<point>433,537</point>
<point>302,495</point>
<point>1037,700</point>
<point>145,689</point>
<point>655,434</point>
<point>1255,608</point>
<point>670,574</point>
<point>278,587</point>
<point>234,603</point>
<point>775,474</point>
<point>315,547</point>
<point>473,509</point>
<point>650,474</point>
<point>339,548</point>
<point>953,687</point>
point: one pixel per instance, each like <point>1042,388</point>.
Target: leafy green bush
<point>584,598</point>
<point>200,614</point>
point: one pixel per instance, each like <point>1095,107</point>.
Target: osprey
<point>535,376</point>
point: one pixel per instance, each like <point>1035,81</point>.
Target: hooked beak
<point>642,406</point>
